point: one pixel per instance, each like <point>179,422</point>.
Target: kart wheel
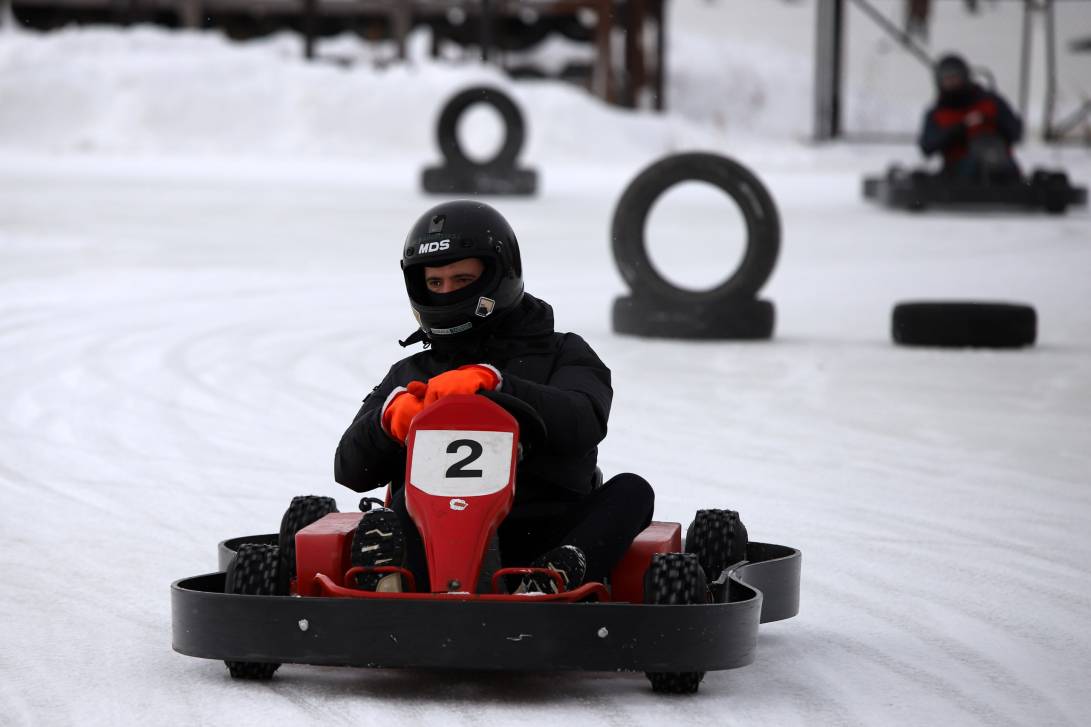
<point>253,572</point>
<point>718,538</point>
<point>1056,193</point>
<point>674,579</point>
<point>303,510</point>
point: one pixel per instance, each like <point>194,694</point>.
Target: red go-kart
<point>670,611</point>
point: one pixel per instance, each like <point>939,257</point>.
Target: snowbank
<point>150,91</point>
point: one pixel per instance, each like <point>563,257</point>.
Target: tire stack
<point>656,308</point>
<point>459,174</point>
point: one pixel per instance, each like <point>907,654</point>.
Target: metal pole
<point>829,26</point>
<point>1051,71</point>
<point>1024,57</point>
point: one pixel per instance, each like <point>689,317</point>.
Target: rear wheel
<point>1056,193</point>
<point>303,510</point>
<point>718,539</point>
<point>675,579</point>
<point>254,571</point>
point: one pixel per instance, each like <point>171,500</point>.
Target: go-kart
<point>671,609</point>
<point>995,183</point>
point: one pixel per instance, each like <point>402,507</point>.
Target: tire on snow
<point>718,538</point>
<point>254,572</point>
<point>738,319</point>
<point>754,201</point>
<point>303,510</point>
<point>514,135</point>
<point>674,579</point>
<point>964,324</point>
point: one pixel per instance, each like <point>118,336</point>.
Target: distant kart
<point>919,189</point>
<point>671,612</point>
<point>996,181</point>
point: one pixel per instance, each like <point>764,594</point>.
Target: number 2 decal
<point>458,468</point>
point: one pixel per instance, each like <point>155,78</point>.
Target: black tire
<point>964,324</point>
<point>447,128</point>
<point>515,34</point>
<point>1055,194</point>
<point>757,206</point>
<point>254,572</point>
<point>303,510</point>
<point>737,319</point>
<point>675,579</point>
<point>871,187</point>
<point>718,538</point>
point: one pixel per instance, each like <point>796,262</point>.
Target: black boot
<point>567,560</point>
<point>379,540</point>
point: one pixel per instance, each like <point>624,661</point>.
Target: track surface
<point>181,347</point>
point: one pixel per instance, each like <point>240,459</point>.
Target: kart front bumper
<point>491,635</point>
<point>917,190</point>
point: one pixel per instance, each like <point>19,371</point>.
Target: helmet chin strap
<point>417,336</point>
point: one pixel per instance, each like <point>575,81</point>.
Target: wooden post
<point>486,29</point>
<point>660,54</point>
<point>191,14</point>
<point>604,72</point>
<point>310,27</point>
<point>635,69</point>
<point>401,20</point>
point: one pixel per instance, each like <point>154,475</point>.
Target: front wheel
<point>303,510</point>
<point>675,579</point>
<point>718,538</point>
<point>253,571</point>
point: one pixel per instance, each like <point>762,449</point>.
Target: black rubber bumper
<point>917,190</point>
<point>483,635</point>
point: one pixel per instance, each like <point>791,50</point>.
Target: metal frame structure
<point>829,68</point>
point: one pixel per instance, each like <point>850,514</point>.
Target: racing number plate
<point>461,463</point>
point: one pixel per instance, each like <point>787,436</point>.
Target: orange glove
<point>400,409</point>
<point>463,380</point>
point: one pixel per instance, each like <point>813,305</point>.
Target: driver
<point>965,117</point>
<point>464,278</point>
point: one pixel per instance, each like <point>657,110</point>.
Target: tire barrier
<point>659,309</point>
<point>964,324</point>
<point>743,319</point>
<point>497,176</point>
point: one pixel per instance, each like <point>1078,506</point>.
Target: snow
<point>198,283</point>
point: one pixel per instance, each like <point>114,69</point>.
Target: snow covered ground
<point>185,333</point>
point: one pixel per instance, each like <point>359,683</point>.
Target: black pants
<point>602,524</point>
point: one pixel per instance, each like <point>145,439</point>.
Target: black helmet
<point>955,65</point>
<point>455,231</point>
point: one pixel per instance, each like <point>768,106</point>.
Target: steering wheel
<point>532,429</point>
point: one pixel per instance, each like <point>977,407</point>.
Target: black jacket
<point>943,129</point>
<point>556,373</point>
